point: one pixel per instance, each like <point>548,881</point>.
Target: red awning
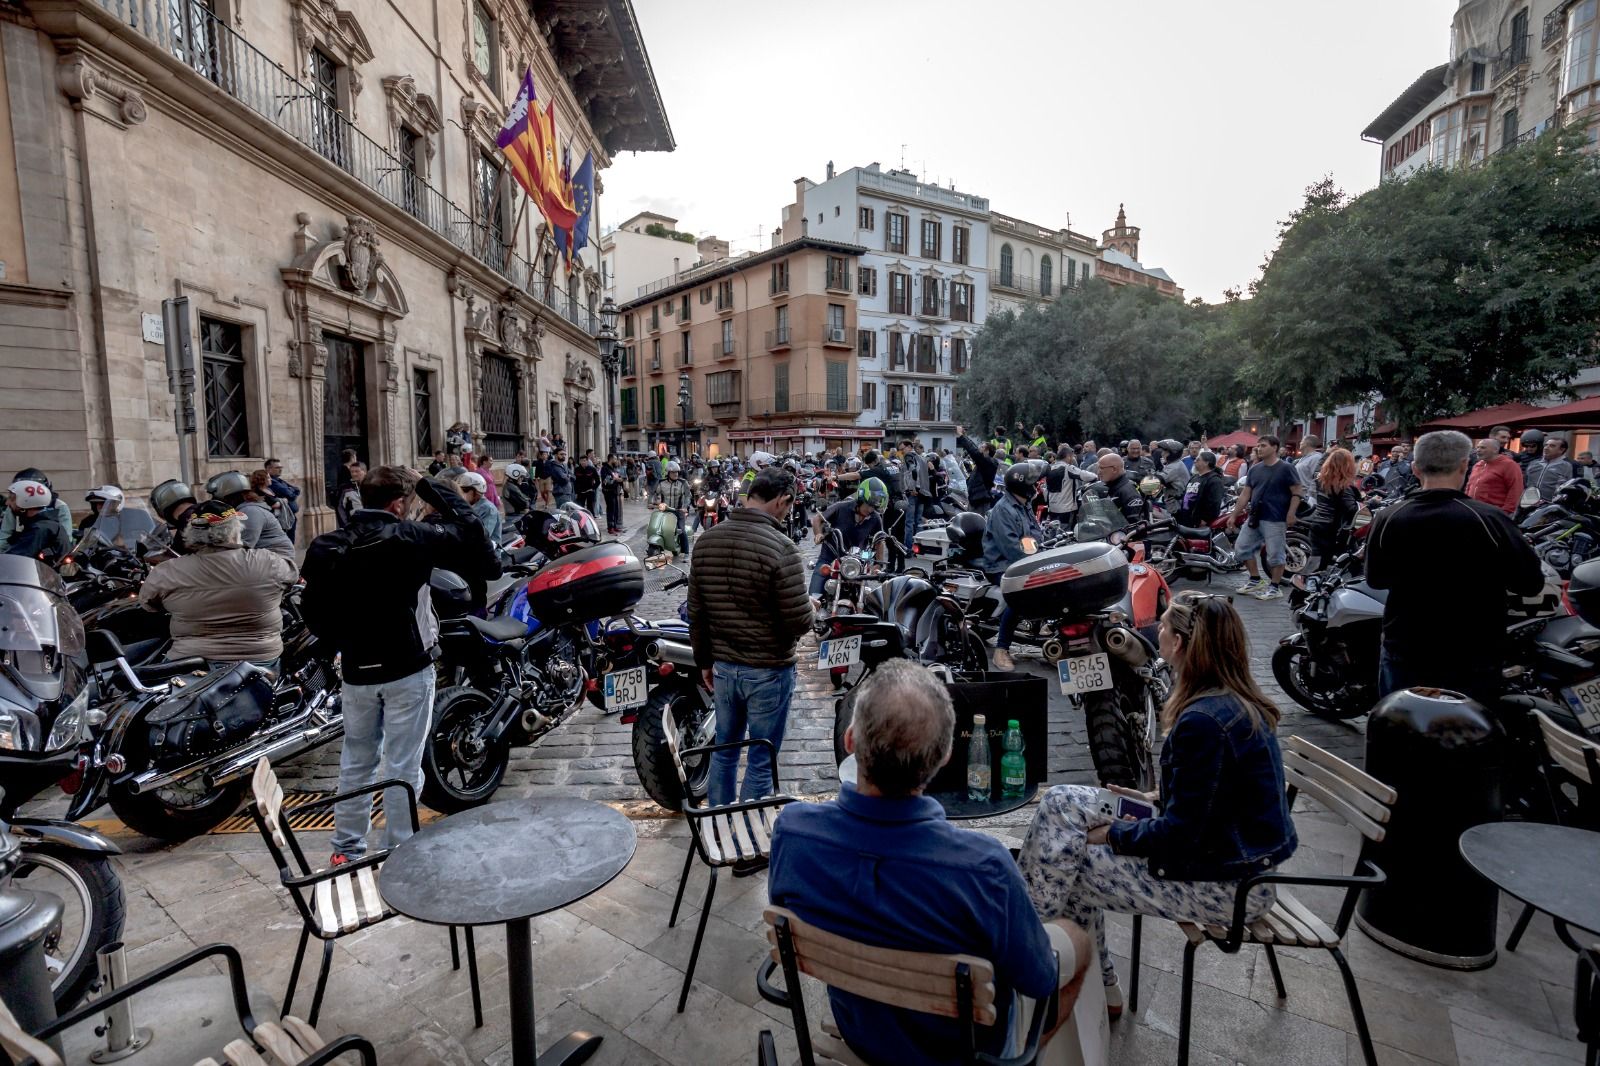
<point>1580,414</point>
<point>1505,414</point>
<point>1228,440</point>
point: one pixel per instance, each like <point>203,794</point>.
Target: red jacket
<point>1497,482</point>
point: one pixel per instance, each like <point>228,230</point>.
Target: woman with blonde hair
<point>1223,811</point>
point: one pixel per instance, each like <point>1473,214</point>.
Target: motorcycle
<point>1329,664</point>
<point>662,538</point>
<point>847,576</point>
<point>45,716</point>
<point>508,680</point>
<point>712,505</point>
<point>174,752</point>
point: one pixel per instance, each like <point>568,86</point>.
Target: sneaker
<point>748,867</point>
<point>338,859</point>
<point>1270,592</point>
<point>1003,660</point>
<point>1249,584</point>
<point>1114,999</point>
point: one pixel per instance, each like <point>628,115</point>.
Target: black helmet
<point>1020,478</point>
<point>1531,439</point>
<point>450,595</point>
<point>1171,447</point>
<point>166,497</point>
<point>1573,492</point>
<point>33,473</point>
<point>967,529</point>
<point>228,486</point>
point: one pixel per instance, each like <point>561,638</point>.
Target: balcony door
<point>344,405</point>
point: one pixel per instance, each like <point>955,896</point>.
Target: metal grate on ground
<point>317,821</point>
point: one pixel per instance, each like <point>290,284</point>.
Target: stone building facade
<point>764,346</point>
<point>1029,262</point>
<point>320,183</point>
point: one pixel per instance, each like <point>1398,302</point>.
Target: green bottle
<point>1013,768</point>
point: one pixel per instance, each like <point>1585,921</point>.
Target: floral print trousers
<point>1068,877</point>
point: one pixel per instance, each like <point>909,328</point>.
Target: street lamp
<point>685,398</point>
<point>610,358</point>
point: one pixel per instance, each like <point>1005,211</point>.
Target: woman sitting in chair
<point>1225,814</point>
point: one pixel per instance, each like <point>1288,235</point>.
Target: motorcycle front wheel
<point>695,719</point>
<point>1289,664</point>
<point>92,913</point>
<point>459,770</point>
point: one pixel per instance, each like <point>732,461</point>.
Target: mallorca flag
<point>528,140</point>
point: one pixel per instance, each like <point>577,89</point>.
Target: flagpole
<point>516,226</point>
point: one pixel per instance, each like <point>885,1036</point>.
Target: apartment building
<point>1516,68</point>
<point>648,248</point>
<point>319,181</point>
<point>757,352</point>
<point>1029,262</point>
<point>922,288</point>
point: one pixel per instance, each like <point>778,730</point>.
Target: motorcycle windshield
<point>38,627</point>
<point>123,529</point>
<point>1097,518</point>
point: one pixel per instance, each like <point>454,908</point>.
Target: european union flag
<point>583,202</point>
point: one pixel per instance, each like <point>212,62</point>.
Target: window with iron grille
<point>838,386</point>
<point>194,36</point>
<point>501,393</point>
<point>227,415</point>
<point>491,214</point>
<point>780,387</point>
<point>422,410</point>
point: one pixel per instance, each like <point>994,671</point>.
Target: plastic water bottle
<point>978,761</point>
<point>1013,768</point>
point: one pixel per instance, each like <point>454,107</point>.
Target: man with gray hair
<point>882,866</point>
<point>1448,562</point>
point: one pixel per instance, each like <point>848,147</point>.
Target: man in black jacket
<point>980,483</point>
<point>39,534</point>
<point>1120,487</point>
<point>1448,562</point>
<point>367,595</point>
<point>875,465</point>
<point>1205,497</point>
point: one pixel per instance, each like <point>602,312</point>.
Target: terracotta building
<point>318,181</point>
<point>1119,260</point>
<point>746,353</point>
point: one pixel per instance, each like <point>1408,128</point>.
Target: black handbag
<point>209,714</point>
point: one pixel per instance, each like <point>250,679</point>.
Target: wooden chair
<point>342,899</point>
<point>290,1042</point>
<point>949,986</point>
<point>1568,759</point>
<point>1586,1004</point>
<point>720,836</point>
<point>1361,800</point>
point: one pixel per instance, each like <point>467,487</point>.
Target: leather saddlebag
<point>209,714</point>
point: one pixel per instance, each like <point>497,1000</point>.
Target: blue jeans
<point>385,729</point>
<point>914,506</point>
<point>753,699</point>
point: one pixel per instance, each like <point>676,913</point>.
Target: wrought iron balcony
<point>198,40</point>
<point>778,338</point>
<point>727,349</point>
<point>804,403</point>
<point>839,337</point>
<point>932,312</point>
<point>1554,23</point>
<point>838,279</point>
<point>1016,282</point>
<point>1511,57</point>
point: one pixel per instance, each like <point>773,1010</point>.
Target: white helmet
<point>516,472</point>
<point>105,494</point>
<point>673,467</point>
<point>471,479</point>
<point>31,494</point>
<point>761,459</point>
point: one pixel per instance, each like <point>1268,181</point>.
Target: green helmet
<point>873,491</point>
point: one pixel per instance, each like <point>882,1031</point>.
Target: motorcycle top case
<point>587,585</point>
<point>1584,591</point>
<point>1076,579</point>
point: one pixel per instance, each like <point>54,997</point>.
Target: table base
<point>1432,958</point>
<point>570,1050</point>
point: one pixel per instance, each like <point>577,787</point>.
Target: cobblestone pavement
<point>590,755</point>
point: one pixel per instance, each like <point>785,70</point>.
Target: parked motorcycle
<point>508,680</point>
<point>45,716</point>
<point>1329,664</point>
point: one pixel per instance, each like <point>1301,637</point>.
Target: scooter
<point>662,538</point>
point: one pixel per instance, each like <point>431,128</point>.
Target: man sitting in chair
<point>882,866</point>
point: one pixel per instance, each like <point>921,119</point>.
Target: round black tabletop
<point>958,806</point>
<point>1553,867</point>
<point>506,861</point>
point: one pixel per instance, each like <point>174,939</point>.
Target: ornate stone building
<point>357,270</point>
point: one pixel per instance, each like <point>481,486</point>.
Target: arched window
<point>1005,265</point>
<point>1027,266</point>
<point>1044,275</point>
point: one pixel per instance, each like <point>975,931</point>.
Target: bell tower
<point>1123,237</point>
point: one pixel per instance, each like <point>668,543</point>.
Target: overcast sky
<point>1207,119</point>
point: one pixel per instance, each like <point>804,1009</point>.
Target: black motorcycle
<point>46,697</point>
<point>1329,664</point>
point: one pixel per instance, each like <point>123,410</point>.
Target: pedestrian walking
<point>367,596</point>
<point>1267,506</point>
<point>748,609</point>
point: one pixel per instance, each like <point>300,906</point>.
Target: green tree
<point>1454,289</point>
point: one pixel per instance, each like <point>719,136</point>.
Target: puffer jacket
<point>747,593</point>
<point>225,603</point>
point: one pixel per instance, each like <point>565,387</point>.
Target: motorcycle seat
<point>499,630</point>
<point>1194,532</point>
<point>1567,630</point>
<point>154,672</point>
<point>900,600</point>
<point>1381,595</point>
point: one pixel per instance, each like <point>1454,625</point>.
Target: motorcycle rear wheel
<point>695,718</point>
<point>94,909</point>
<point>1287,664</point>
<point>458,771</point>
<point>1114,740</point>
<point>155,816</point>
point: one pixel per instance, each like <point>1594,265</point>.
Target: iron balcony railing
<point>205,44</point>
<point>1554,23</point>
<point>727,349</point>
<point>778,338</point>
<point>805,403</point>
<point>1510,58</point>
<point>839,337</point>
<point>1016,282</point>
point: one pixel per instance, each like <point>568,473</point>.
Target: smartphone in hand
<point>1113,806</point>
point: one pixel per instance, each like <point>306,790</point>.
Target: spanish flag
<point>528,140</point>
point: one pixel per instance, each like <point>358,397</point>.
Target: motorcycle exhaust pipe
<point>1052,650</point>
<point>676,653</point>
<point>239,765</point>
<point>1126,646</point>
<point>652,650</point>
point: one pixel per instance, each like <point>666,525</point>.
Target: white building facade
<point>1032,263</point>
<point>922,289</point>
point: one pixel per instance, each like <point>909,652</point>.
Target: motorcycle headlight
<point>19,728</point>
<point>830,586</point>
<point>850,568</point>
<point>70,724</point>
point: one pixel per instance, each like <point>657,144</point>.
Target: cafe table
<point>505,864</point>
<point>1553,868</point>
<point>958,806</point>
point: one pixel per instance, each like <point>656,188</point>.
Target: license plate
<point>1085,673</point>
<point>840,651</point>
<point>625,689</point>
<point>1585,703</point>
